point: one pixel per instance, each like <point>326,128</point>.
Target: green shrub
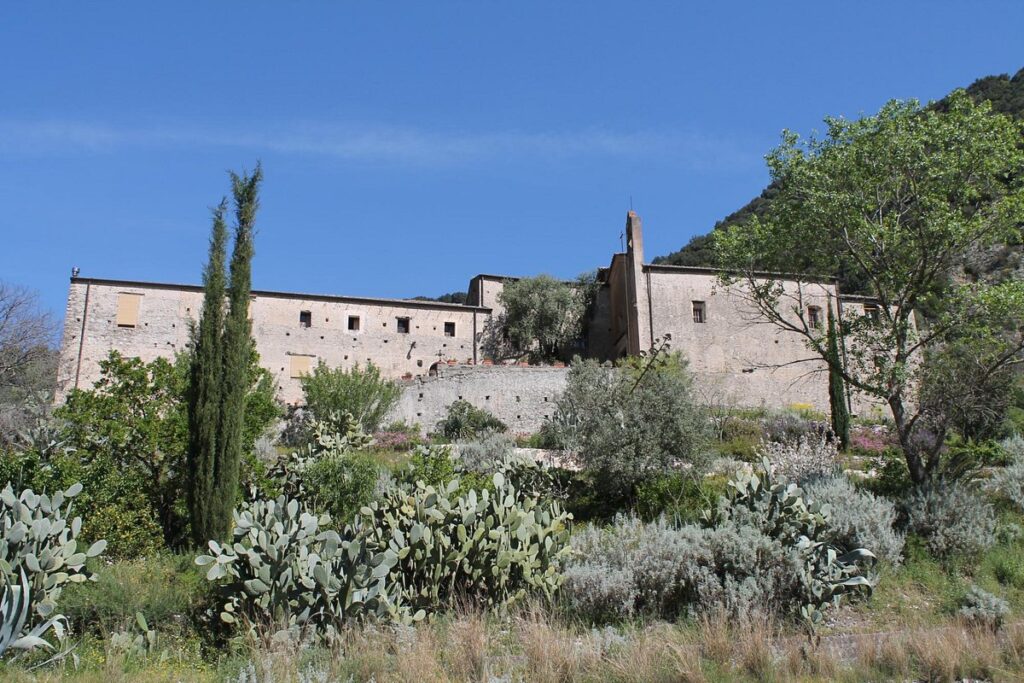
<point>128,437</point>
<point>466,421</point>
<point>858,519</point>
<point>953,519</point>
<point>978,453</point>
<point>168,589</point>
<point>1007,566</point>
<point>360,391</point>
<point>740,447</point>
<point>341,484</point>
<point>678,496</point>
<point>632,421</point>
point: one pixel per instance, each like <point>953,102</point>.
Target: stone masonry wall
<point>521,397</point>
<point>736,357</point>
<point>284,343</point>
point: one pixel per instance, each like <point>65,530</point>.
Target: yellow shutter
<point>128,309</point>
<point>300,366</point>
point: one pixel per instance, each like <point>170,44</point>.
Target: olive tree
<point>542,318</point>
<point>633,420</point>
<point>894,200</point>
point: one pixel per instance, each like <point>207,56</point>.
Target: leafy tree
<point>632,421</point>
<point>359,391</point>
<point>542,318</point>
<point>449,298</point>
<point>126,439</point>
<point>1006,94</point>
<point>895,198</point>
<point>220,373</point>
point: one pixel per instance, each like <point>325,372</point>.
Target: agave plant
<point>15,613</point>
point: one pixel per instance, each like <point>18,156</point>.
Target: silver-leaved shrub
<point>858,519</point>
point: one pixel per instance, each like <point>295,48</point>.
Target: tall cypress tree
<point>219,377</point>
<point>836,386</point>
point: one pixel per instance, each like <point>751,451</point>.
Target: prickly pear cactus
<point>776,507</point>
<point>285,568</point>
<point>491,547</point>
<point>38,536</point>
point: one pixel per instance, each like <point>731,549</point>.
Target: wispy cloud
<point>383,144</point>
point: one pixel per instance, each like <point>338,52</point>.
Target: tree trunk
<point>919,474</point>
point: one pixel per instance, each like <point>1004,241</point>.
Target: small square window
<point>699,312</point>
<point>353,323</point>
<point>305,319</point>
<point>403,325</point>
<point>872,311</point>
<point>449,329</point>
<point>813,316</point>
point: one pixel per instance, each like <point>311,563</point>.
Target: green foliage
<point>632,421</point>
<point>359,391</point>
<point>839,410</point>
<point>492,549</point>
<point>328,473</point>
<point>1006,95</point>
<point>542,318</point>
<point>132,423</point>
<point>896,199</point>
<point>677,496</point>
<point>221,370</point>
<point>341,484</point>
<point>285,569</point>
<point>39,540</point>
<point>466,421</point>
<point>126,440</point>
<point>954,520</point>
<point>168,589</point>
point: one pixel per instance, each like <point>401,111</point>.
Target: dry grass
<point>535,646</point>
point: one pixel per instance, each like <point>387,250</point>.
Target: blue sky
<point>408,146</point>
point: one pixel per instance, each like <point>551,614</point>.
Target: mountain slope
<point>1007,97</point>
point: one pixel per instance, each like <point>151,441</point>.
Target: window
<point>403,325</point>
<point>305,319</point>
<point>699,312</point>
<point>449,329</point>
<point>814,316</point>
<point>128,309</point>
<point>871,311</point>
<point>300,366</point>
<point>353,323</point>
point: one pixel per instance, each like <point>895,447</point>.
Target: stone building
<point>736,357</point>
